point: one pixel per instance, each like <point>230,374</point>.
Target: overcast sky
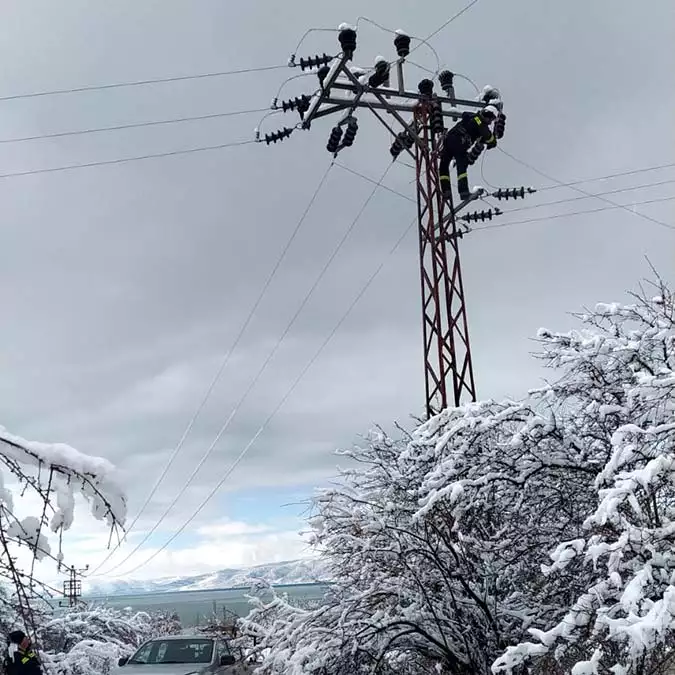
<point>122,286</point>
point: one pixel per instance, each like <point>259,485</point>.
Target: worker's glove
<point>491,144</point>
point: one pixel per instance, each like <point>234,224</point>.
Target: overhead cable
<point>124,160</point>
<point>278,407</point>
<point>207,394</point>
<point>278,343</point>
<point>577,213</point>
<point>140,83</point>
<point>589,194</point>
<point>133,125</point>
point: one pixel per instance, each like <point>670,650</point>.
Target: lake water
<point>194,607</point>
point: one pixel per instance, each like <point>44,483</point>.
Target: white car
<point>180,655</point>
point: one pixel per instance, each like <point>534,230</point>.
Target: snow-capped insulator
<point>426,88</point>
<point>402,44</point>
<point>512,193</point>
<point>347,38</point>
<point>334,139</point>
<point>500,125</point>
<point>475,151</point>
<point>489,93</point>
<point>315,61</point>
<point>278,135</point>
<point>446,79</point>
<point>322,73</point>
<point>299,103</point>
<point>475,216</point>
<point>436,118</point>
<point>350,132</point>
<point>381,75</point>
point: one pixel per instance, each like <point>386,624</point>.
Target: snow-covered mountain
<point>288,572</point>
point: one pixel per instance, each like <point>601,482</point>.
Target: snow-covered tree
<point>93,640</point>
<point>54,474</point>
<point>620,382</point>
<point>436,540</point>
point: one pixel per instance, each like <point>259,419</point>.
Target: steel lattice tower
<point>449,377</point>
<point>447,353</point>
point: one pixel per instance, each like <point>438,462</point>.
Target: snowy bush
<point>92,641</point>
<point>620,384</point>
<point>513,536</point>
<point>55,474</point>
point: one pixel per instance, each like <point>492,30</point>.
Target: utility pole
<point>72,587</point>
<point>448,366</point>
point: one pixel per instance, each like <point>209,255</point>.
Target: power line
<point>140,83</point>
<point>124,160</point>
<point>413,37</point>
<point>589,194</point>
<point>224,362</point>
<point>631,172</point>
<point>595,194</point>
<point>447,23</point>
<point>375,182</point>
<point>133,125</point>
<point>280,404</point>
<point>523,208</point>
<point>254,381</point>
<point>493,226</point>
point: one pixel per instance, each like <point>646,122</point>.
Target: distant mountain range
<point>288,572</point>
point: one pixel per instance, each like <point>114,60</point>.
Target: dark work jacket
<point>24,663</point>
<point>471,128</point>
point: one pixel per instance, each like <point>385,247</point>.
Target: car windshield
<point>188,650</point>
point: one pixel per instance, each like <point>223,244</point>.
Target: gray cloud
<point>121,287</point>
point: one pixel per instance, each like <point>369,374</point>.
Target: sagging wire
<point>412,37</point>
<point>291,60</point>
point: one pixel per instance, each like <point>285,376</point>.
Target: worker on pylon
<point>471,127</point>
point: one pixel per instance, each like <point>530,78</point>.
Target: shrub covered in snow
<point>92,641</point>
<point>54,474</point>
<point>503,536</point>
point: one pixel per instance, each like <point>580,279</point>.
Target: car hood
<point>161,669</point>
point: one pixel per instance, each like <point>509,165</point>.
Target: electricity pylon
<point>448,367</point>
<point>72,587</point>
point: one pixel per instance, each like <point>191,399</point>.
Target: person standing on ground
<point>20,659</point>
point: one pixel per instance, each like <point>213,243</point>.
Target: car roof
<point>181,637</point>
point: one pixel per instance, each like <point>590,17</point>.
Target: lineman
<point>472,127</point>
<point>20,659</point>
